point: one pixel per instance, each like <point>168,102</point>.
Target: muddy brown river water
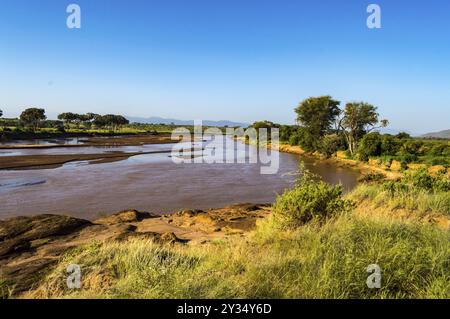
<point>151,182</point>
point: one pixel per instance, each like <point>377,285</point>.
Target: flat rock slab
<point>31,246</point>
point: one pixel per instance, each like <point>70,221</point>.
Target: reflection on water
<point>19,182</point>
<point>150,182</point>
<point>47,141</point>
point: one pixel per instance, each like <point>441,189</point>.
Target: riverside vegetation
<point>316,243</point>
<point>33,124</point>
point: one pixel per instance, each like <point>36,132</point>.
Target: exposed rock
<point>126,216</point>
<point>341,154</point>
<point>30,246</point>
<point>190,212</point>
<point>396,166</point>
<point>16,234</point>
<point>436,170</point>
<point>171,238</point>
<point>40,226</point>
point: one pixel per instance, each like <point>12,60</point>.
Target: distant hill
<point>441,134</point>
<point>160,120</point>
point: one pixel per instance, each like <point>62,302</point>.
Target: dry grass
<point>326,260</point>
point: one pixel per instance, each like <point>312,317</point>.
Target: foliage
<point>309,199</point>
<point>326,260</point>
<point>370,145</point>
<point>358,119</point>
<point>316,115</point>
<point>332,143</point>
<point>417,191</point>
<point>32,117</point>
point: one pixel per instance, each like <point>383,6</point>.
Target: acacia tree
<point>316,116</point>
<point>32,117</point>
<point>67,117</point>
<point>358,119</point>
<point>111,120</point>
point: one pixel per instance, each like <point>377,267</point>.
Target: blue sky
<point>241,60</point>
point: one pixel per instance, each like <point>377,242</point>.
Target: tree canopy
<point>32,117</point>
<point>316,116</point>
<point>359,118</point>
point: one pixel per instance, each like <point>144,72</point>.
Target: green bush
<point>389,145</point>
<point>310,199</point>
<point>417,181</point>
<point>370,145</point>
<point>294,140</point>
<point>411,147</point>
<point>330,144</point>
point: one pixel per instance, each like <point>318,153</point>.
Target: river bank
<point>361,167</point>
<point>232,252</point>
<point>372,167</point>
<point>31,246</point>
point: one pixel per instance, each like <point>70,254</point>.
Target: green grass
<point>419,201</point>
<point>418,192</point>
<point>314,261</point>
<point>323,253</point>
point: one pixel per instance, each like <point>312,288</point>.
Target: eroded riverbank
<point>30,246</point>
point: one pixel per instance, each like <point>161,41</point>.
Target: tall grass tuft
<point>418,192</point>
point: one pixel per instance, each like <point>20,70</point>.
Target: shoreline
<point>362,168</point>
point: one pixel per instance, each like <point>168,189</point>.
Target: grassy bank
<point>321,250</point>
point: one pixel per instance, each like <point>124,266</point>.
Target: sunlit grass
<point>314,261</point>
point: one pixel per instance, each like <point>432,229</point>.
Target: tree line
<point>98,120</point>
<point>325,127</point>
<point>35,118</point>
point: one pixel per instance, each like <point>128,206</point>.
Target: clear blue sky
<point>241,60</point>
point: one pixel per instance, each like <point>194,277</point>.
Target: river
<point>151,182</point>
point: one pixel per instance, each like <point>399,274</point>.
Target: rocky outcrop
<point>20,233</point>
<point>30,246</point>
<point>127,216</point>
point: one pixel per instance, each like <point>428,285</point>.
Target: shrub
<point>330,144</point>
<point>389,145</point>
<point>309,199</point>
<point>407,158</point>
<point>370,145</point>
<point>294,140</point>
<point>411,147</point>
<point>421,179</point>
<point>307,141</point>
